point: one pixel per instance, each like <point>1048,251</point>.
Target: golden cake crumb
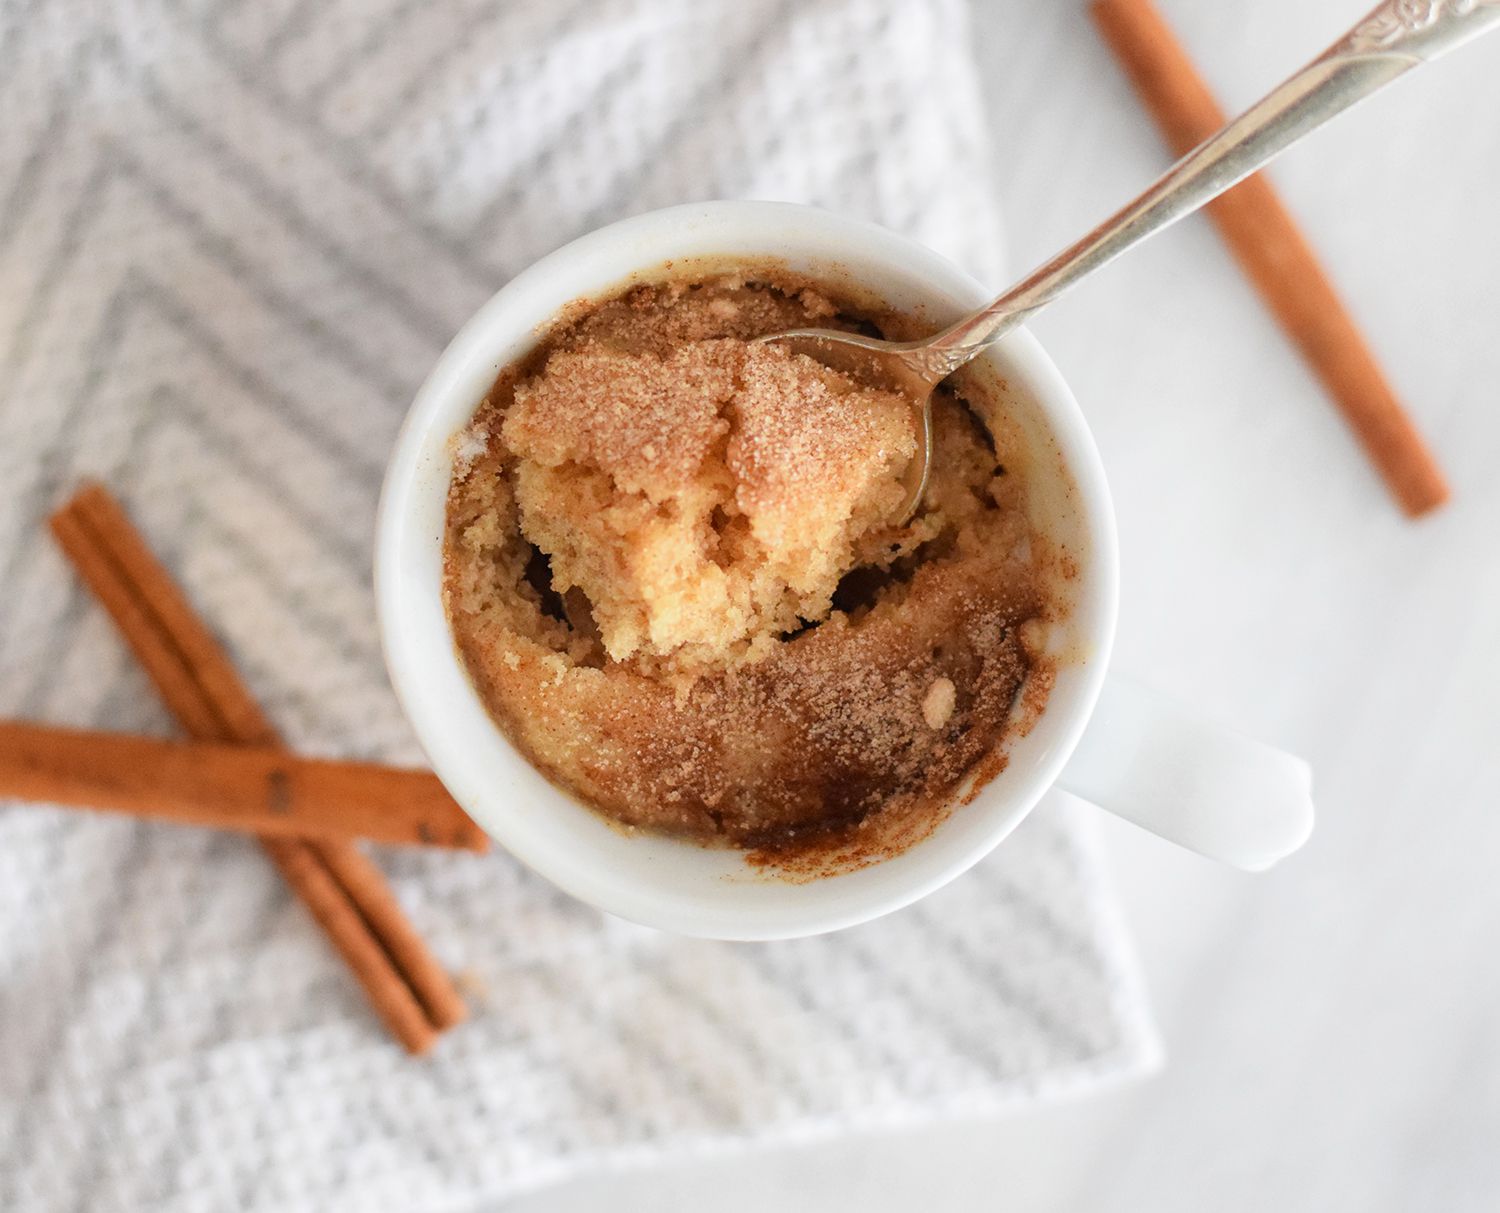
<point>938,703</point>
<point>706,501</point>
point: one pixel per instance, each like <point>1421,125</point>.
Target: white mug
<point>1106,741</point>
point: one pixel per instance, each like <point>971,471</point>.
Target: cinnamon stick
<point>204,691</point>
<point>364,883</point>
<point>1276,257</point>
<point>250,788</point>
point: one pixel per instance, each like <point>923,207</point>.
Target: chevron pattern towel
<point>234,234</point>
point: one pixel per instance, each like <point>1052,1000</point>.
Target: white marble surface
<point>1333,1027</point>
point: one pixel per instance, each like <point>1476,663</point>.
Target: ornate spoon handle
<point>1394,38</point>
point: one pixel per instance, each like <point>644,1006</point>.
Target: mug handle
<point>1154,762</point>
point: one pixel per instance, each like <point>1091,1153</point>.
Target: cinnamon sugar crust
<point>673,577</point>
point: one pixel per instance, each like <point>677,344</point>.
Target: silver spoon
<point>1391,40</point>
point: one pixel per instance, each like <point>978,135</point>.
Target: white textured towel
<point>234,234</point>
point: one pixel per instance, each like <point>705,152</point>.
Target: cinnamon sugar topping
<point>673,577</point>
<point>705,500</point>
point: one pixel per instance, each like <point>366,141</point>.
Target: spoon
<point>1391,40</point>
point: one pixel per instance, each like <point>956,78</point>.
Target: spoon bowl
<point>895,365</point>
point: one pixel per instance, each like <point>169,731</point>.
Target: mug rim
<point>408,580</point>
